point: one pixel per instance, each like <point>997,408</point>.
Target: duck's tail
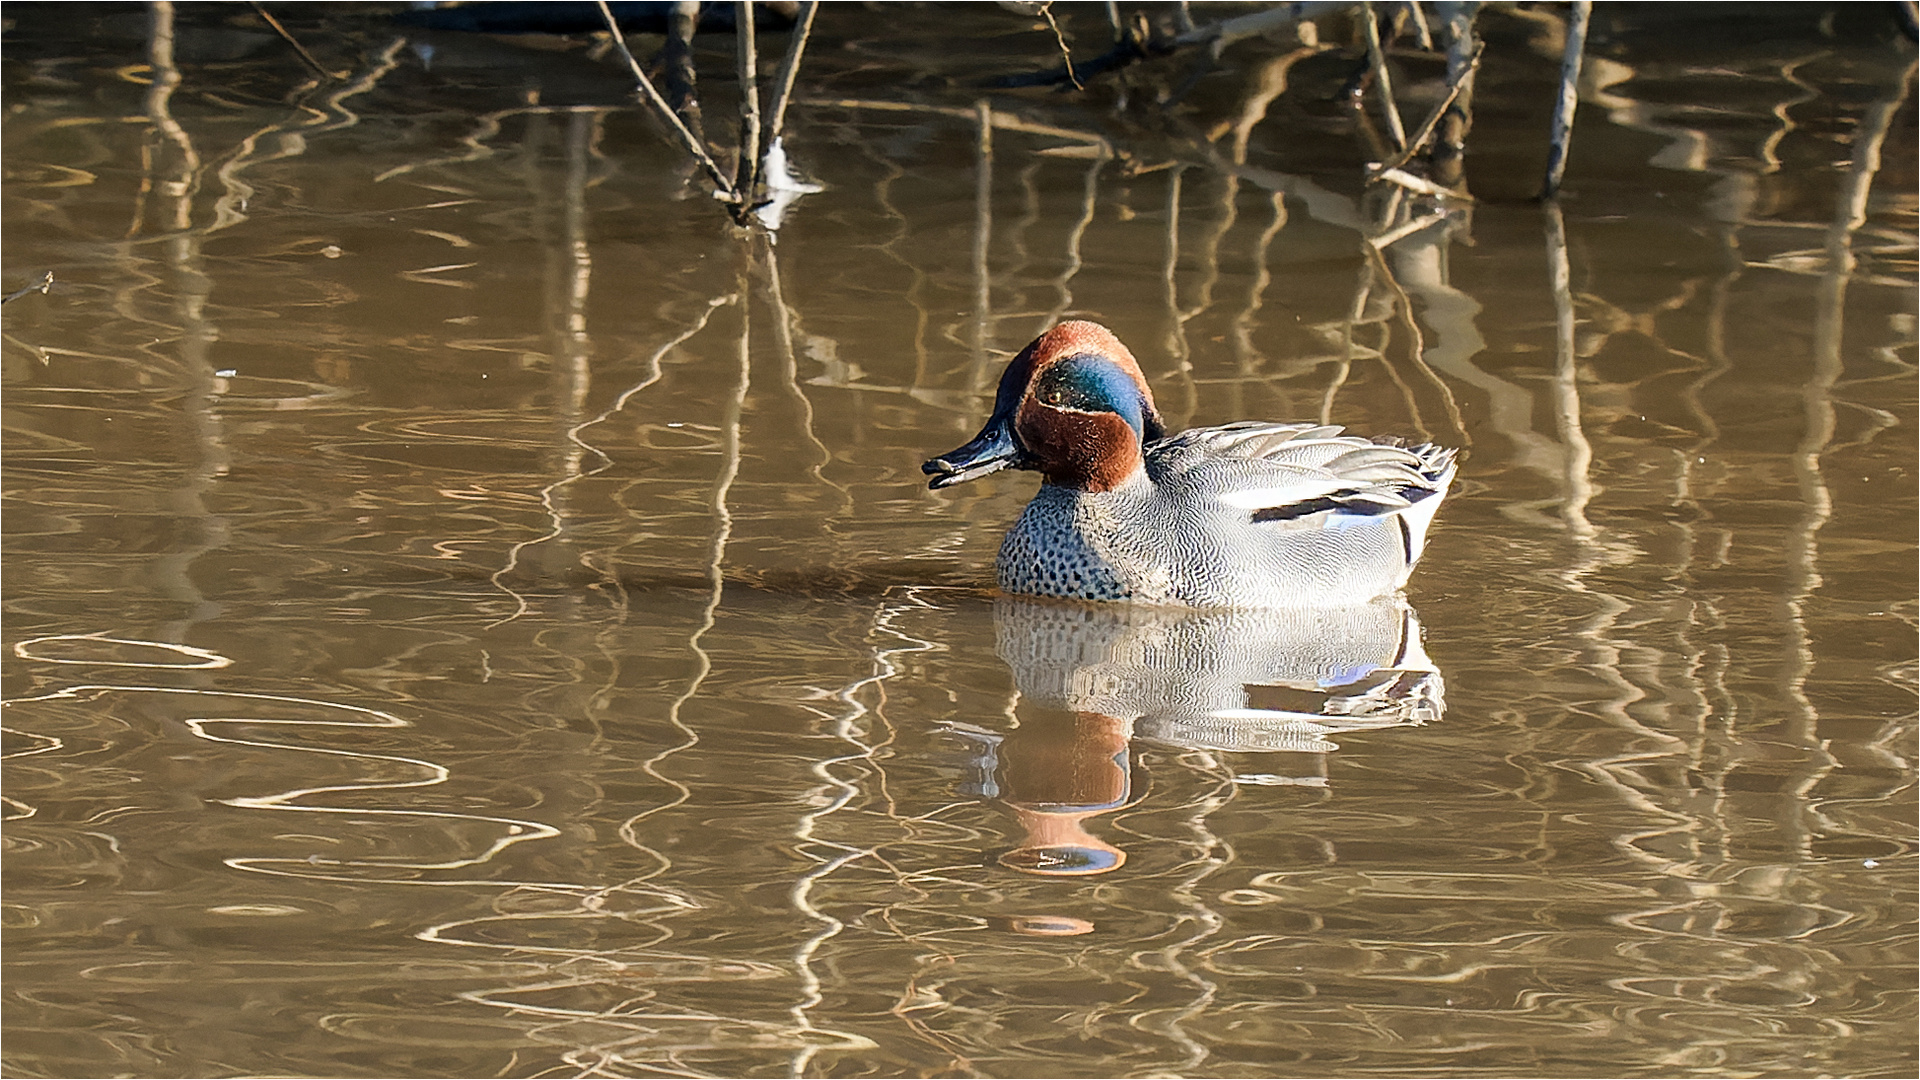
<point>1438,465</point>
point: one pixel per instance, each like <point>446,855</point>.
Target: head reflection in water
<point>1057,771</point>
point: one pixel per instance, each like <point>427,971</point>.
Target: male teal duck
<point>1249,515</point>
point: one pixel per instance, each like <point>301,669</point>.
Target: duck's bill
<point>989,452</point>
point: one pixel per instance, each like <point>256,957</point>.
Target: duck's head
<point>1072,406</point>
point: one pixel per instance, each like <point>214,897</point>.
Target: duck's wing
<point>1282,472</point>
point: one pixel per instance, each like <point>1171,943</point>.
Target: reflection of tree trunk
<point>1210,251</point>
<point>1349,347</point>
<point>982,239</point>
<point>1089,197</point>
<point>783,324</point>
<point>1014,272</point>
<point>1576,485</point>
<point>178,191</point>
<point>1249,360</point>
<point>1450,314</point>
<point>205,452</point>
<point>1419,266</point>
<point>1265,87</point>
<point>1178,351</point>
<point>572,374</point>
<point>1829,364</point>
<point>1268,85</point>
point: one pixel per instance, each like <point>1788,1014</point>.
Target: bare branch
<point>665,113</point>
<point>1569,97</point>
<point>746,172</point>
<point>261,10</point>
<point>1461,83</point>
<point>1066,55</point>
<point>789,71</point>
<point>1417,184</point>
<point>1395,235</point>
<point>1382,82</point>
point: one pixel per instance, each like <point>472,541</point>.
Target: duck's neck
<point>1097,482</point>
<point>1086,451</point>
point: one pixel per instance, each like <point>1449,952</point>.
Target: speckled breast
<point>1047,553</point>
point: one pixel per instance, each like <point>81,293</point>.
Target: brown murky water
<point>470,611</point>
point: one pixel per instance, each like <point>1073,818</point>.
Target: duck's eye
<point>1058,389</point>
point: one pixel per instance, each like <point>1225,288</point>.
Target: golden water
<point>470,611</point>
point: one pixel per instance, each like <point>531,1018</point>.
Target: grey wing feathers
<point>1300,444</point>
<point>1285,471</point>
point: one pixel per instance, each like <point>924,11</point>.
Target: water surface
<point>472,610</point>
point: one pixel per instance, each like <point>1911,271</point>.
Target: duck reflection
<point>1093,678</point>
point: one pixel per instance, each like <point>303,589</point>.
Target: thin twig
<point>1382,83</point>
<point>1391,212</point>
<point>1066,55</point>
<point>998,118</point>
<point>1569,98</point>
<point>746,173</point>
<point>666,114</point>
<point>261,10</point>
<point>789,71</point>
<point>1417,184</point>
<point>1455,87</point>
<point>1395,235</point>
<point>44,284</point>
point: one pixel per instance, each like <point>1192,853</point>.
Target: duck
<point>1246,515</point>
